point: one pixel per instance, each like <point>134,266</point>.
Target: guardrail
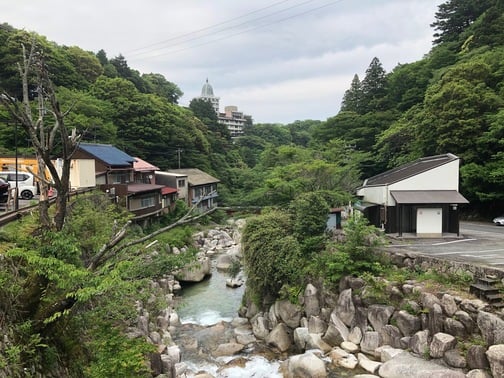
<point>13,215</point>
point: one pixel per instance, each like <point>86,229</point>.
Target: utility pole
<point>16,200</point>
<point>179,151</point>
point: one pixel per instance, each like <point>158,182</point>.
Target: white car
<point>499,221</point>
<point>25,183</point>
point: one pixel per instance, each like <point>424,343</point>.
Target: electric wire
<point>277,21</point>
<point>207,27</point>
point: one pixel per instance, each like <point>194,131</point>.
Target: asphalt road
<point>479,243</point>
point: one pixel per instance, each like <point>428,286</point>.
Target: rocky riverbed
<point>328,334</point>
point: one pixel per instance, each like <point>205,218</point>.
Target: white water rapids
<point>206,304</point>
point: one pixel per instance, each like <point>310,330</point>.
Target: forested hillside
<point>450,101</point>
<point>67,294</point>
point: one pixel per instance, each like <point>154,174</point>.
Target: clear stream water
<point>209,303</point>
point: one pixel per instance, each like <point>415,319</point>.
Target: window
<point>181,183</point>
<point>147,202</point>
<point>119,178</point>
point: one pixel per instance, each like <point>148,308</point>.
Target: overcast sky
<point>278,61</point>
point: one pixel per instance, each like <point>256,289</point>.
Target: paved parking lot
<point>480,243</point>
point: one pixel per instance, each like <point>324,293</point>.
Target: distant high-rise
<point>208,95</point>
<point>234,120</point>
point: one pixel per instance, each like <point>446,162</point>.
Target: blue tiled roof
<point>108,154</point>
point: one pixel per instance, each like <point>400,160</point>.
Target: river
<point>206,311</point>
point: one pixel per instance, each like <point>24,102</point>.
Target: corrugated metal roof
<point>410,169</point>
<point>168,190</point>
<point>138,188</point>
<point>141,165</point>
<point>195,176</point>
<point>427,196</point>
<point>107,153</point>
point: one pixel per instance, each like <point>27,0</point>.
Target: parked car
<point>4,190</point>
<point>499,221</point>
<point>26,184</point>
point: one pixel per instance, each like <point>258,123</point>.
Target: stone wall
<point>425,262</point>
<point>438,334</point>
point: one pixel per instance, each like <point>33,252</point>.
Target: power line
<point>240,32</point>
<point>207,27</point>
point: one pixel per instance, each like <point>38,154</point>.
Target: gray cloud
<point>279,61</point>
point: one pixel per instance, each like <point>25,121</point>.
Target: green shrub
<point>272,256</point>
<point>357,254</point>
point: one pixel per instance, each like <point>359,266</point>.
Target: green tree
<point>310,212</point>
<point>357,254</point>
<point>407,84</point>
<point>457,105</point>
<point>455,16</point>
<point>374,88</point>
<point>272,256</point>
<point>86,65</point>
<point>160,86</point>
<point>352,99</point>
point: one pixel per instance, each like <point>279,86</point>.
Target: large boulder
<point>441,342</point>
<point>390,335</point>
<point>478,373</point>
<point>196,271</point>
<point>280,337</point>
<point>455,328</point>
<point>491,327</point>
<point>407,323</point>
<point>379,315</point>
<point>387,352</point>
<point>448,304</point>
<point>289,313</point>
<point>355,335</point>
<point>315,341</point>
<point>435,319</point>
<point>473,305</point>
<point>405,365</point>
<point>370,342</point>
<point>224,261</point>
<point>340,357</point>
<point>419,342</point>
<point>466,320</point>
<point>336,332</point>
<point>476,357</point>
<point>345,308</point>
<point>260,326</point>
<point>227,349</point>
<point>454,359</point>
<point>495,356</point>
<point>367,364</point>
<point>428,300</point>
<point>316,325</point>
<point>306,365</point>
<point>311,303</point>
<point>301,337</point>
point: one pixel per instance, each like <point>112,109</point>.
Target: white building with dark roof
<point>421,197</point>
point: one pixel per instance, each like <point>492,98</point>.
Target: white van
<point>27,186</point>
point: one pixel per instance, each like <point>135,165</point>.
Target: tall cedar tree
<point>455,16</point>
<point>373,87</point>
<point>352,97</point>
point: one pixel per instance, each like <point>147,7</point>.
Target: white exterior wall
<point>374,194</point>
<point>445,177</point>
<point>173,180</point>
<point>82,173</point>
